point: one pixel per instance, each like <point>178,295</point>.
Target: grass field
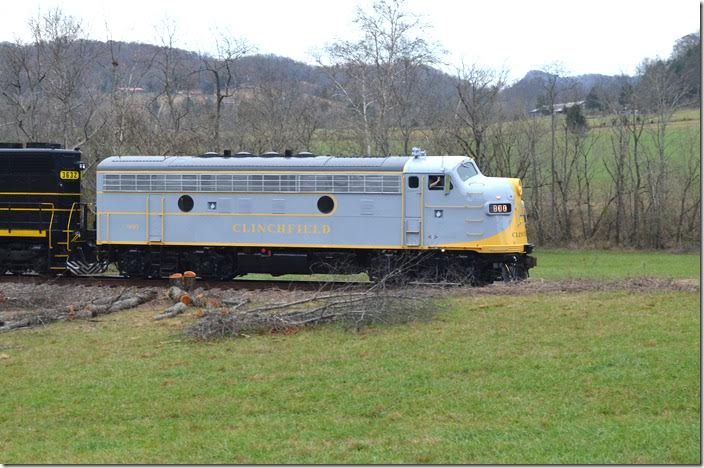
<point>568,263</point>
<point>590,377</point>
<point>683,136</point>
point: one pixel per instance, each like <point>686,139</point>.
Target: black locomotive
<point>42,220</point>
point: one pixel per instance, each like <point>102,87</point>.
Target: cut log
<point>189,280</point>
<point>127,299</point>
<point>14,325</point>
<point>172,311</point>
<point>234,307</point>
<point>119,303</point>
<point>174,293</point>
<point>176,279</point>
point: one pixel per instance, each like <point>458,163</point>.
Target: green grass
<point>323,278</point>
<point>684,125</point>
<point>569,263</point>
<point>556,264</point>
<point>584,378</point>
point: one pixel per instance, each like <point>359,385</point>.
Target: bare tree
<point>271,110</point>
<point>411,99</point>
<point>550,98</point>
<point>21,77</point>
<point>531,132</point>
<point>172,103</point>
<point>67,57</point>
<point>506,155</point>
<point>689,208</point>
<point>631,106</point>
<point>477,91</point>
<point>221,70</point>
<point>664,93</point>
<point>365,73</point>
<point>617,169</point>
<point>306,121</point>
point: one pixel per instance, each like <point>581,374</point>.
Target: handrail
<point>31,206</point>
<point>68,227</point>
<point>51,220</point>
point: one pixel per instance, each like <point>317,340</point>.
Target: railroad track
<point>238,283</point>
<point>248,284</point>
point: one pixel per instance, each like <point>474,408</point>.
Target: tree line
<point>615,164</point>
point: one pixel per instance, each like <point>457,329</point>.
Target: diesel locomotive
<point>42,220</point>
<point>225,215</point>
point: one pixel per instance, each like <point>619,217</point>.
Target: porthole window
<point>413,182</point>
<point>185,203</point>
<point>326,204</point>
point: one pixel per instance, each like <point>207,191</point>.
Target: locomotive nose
<point>516,187</point>
<point>509,190</point>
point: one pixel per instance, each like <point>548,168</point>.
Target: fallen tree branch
<point>172,311</point>
<point>126,299</point>
<point>351,308</point>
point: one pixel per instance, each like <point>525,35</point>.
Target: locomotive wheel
<point>474,276</point>
<point>226,269</point>
<point>382,269</point>
<point>214,265</point>
<point>513,272</point>
<point>131,265</point>
<point>40,265</point>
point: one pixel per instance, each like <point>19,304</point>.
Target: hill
<point>143,67</point>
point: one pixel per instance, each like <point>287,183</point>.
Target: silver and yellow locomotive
<point>228,215</point>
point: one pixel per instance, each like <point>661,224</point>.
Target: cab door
<point>443,209</point>
<point>155,215</point>
<point>413,210</point>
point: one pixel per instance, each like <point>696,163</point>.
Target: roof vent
<point>227,153</point>
<point>243,154</point>
<point>305,154</point>
<point>270,154</point>
<point>11,145</point>
<point>210,154</point>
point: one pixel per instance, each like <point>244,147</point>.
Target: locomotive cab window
<point>466,171</point>
<point>413,182</point>
<point>437,182</point>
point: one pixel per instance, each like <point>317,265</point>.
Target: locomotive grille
<point>315,183</point>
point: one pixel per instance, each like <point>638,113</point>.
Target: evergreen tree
<point>575,120</point>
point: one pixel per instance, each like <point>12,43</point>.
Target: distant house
<point>559,108</point>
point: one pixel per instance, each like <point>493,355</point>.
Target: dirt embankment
<point>38,304</point>
<point>539,286</point>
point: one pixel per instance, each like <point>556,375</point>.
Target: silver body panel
<point>374,205</point>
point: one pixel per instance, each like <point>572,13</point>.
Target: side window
<point>436,182</point>
<point>413,182</point>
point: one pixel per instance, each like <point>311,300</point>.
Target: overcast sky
<point>592,36</point>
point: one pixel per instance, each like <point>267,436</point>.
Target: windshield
<point>466,170</point>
